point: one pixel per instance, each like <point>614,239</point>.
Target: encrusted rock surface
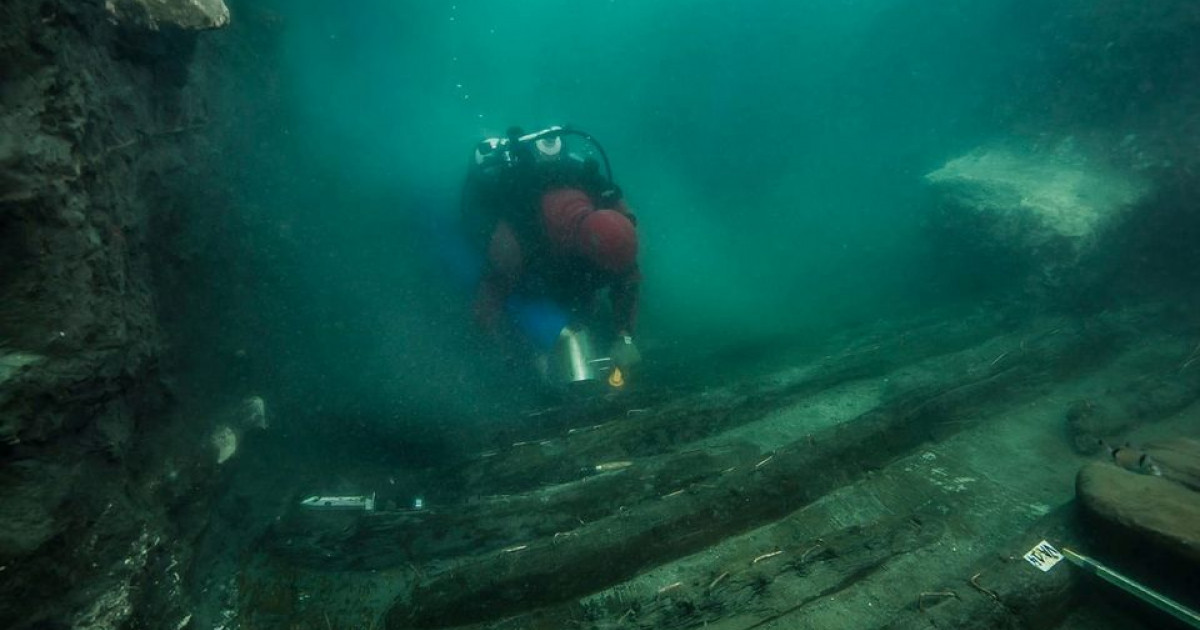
<point>185,14</point>
<point>1049,208</point>
<point>95,122</point>
<point>1038,196</point>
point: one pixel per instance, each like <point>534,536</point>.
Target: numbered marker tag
<point>1043,556</point>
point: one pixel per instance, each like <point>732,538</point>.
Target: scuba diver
<point>555,232</point>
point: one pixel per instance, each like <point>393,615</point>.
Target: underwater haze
<point>297,332</point>
<point>772,152</point>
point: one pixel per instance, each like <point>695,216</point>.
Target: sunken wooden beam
<point>508,508</point>
<point>1005,591</point>
<point>749,588</point>
<point>930,398</point>
<point>646,432</point>
<point>396,539</point>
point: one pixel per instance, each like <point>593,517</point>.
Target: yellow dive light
<point>616,378</point>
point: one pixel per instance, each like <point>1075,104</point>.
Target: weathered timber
<point>1149,511</point>
<point>391,539</point>
<point>558,458</point>
<point>1003,590</point>
<point>926,398</point>
<point>544,487</point>
<point>1106,419</point>
<point>747,589</point>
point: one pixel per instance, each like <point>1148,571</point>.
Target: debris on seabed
<point>765,556</point>
<point>611,466</point>
<point>670,587</point>
<point>718,580</point>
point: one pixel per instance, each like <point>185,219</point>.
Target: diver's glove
<point>624,352</point>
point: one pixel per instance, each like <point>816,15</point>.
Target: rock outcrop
<point>185,14</point>
<point>96,120</point>
<point>1049,209</point>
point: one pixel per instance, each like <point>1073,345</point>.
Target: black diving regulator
<point>517,149</point>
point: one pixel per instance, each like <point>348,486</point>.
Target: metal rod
<point>1159,601</point>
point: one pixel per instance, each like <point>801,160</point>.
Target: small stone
<point>226,442</point>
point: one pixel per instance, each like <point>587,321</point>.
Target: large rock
<point>185,14</point>
<point>1050,207</point>
<point>1149,508</point>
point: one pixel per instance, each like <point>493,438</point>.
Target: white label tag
<point>1043,556</point>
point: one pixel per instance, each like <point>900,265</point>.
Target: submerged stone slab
<point>1150,508</point>
<point>186,14</point>
<point>1049,208</point>
<point>1038,194</point>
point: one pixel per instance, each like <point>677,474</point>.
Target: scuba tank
<point>503,158</point>
<point>504,170</point>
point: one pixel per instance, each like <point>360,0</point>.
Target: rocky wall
<point>98,120</point>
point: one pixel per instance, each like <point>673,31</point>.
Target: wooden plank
<point>615,548</point>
